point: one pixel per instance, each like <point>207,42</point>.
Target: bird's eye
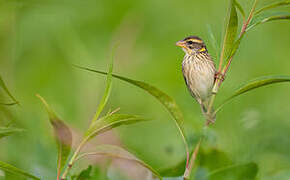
<point>189,42</point>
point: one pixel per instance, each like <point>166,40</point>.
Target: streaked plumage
<point>198,69</point>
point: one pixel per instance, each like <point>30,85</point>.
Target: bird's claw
<point>220,76</point>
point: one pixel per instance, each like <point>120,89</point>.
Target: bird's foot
<point>220,76</point>
<point>210,119</point>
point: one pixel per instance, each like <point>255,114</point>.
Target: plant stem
<point>73,159</point>
<point>243,31</point>
<point>223,72</point>
<point>192,160</point>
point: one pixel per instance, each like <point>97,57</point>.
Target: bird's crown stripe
<point>196,40</point>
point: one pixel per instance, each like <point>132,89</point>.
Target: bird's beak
<point>180,43</point>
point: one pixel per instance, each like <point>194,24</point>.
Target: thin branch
<point>192,161</point>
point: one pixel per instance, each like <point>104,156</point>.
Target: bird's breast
<point>199,75</point>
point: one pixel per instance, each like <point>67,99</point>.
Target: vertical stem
<point>73,158</point>
<point>242,33</point>
<point>192,160</point>
<point>218,82</point>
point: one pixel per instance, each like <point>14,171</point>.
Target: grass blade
<point>256,83</point>
<point>238,172</point>
<point>14,170</point>
<point>2,85</point>
<point>188,171</point>
<point>118,152</point>
<point>85,174</point>
<point>106,95</point>
<point>268,19</point>
<point>8,104</point>
<point>230,34</point>
<point>63,136</point>
<point>240,8</point>
<point>271,6</point>
<point>7,131</point>
<point>213,41</point>
<point>163,98</point>
<point>109,122</point>
<point>235,46</point>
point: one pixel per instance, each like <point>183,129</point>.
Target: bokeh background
<point>40,40</point>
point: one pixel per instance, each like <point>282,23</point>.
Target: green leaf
<point>13,170</point>
<point>7,131</point>
<point>271,6</point>
<point>2,85</point>
<point>210,159</point>
<point>106,95</point>
<point>256,83</point>
<point>187,173</point>
<point>174,171</point>
<point>235,47</point>
<point>85,174</point>
<point>8,104</point>
<point>213,41</point>
<point>118,152</point>
<point>268,19</point>
<point>63,136</point>
<point>240,8</point>
<point>111,121</point>
<point>237,172</point>
<point>163,98</point>
<point>231,31</point>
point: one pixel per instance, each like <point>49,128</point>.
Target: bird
<point>199,72</point>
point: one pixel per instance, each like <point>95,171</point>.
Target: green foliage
<point>109,122</point>
<point>85,174</point>
<point>7,131</point>
<point>174,171</point>
<point>238,172</point>
<point>272,6</point>
<point>13,170</point>
<point>118,152</point>
<point>264,19</point>
<point>240,8</point>
<point>163,98</point>
<point>257,83</point>
<point>231,30</point>
<point>29,35</point>
<point>4,87</point>
<point>107,91</point>
<point>62,134</point>
<point>213,41</point>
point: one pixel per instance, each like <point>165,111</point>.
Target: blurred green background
<point>40,40</point>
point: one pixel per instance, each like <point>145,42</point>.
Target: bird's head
<point>192,45</point>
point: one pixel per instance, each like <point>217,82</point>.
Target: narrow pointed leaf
<point>271,6</point>
<point>14,170</point>
<point>85,174</point>
<point>240,8</point>
<point>106,95</point>
<point>231,31</point>
<point>163,98</point>
<point>7,131</point>
<point>4,87</point>
<point>213,41</point>
<point>111,121</point>
<point>189,169</point>
<point>8,104</point>
<point>256,83</point>
<point>238,172</point>
<point>269,19</point>
<point>118,152</point>
<point>237,43</point>
<point>63,136</point>
<point>235,47</point>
